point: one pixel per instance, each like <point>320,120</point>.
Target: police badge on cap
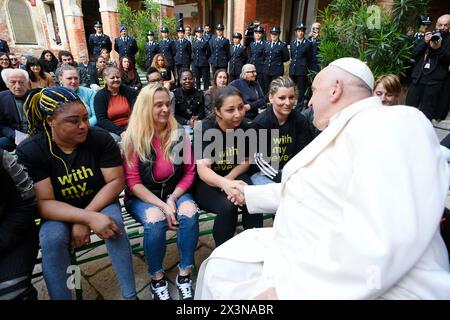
<point>237,35</point>
<point>199,29</point>
<point>275,30</point>
<point>98,24</point>
<point>220,27</point>
<point>164,29</point>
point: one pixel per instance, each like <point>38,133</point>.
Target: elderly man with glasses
<point>155,77</point>
<point>252,92</point>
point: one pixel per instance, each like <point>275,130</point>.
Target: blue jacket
<point>97,43</point>
<point>301,58</point>
<point>238,59</point>
<point>256,56</point>
<point>126,48</point>
<point>253,95</point>
<point>220,52</point>
<point>9,117</point>
<point>167,48</point>
<point>183,52</point>
<point>274,58</point>
<point>87,95</point>
<point>202,52</point>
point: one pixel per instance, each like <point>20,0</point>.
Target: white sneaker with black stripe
<point>160,290</point>
<point>184,285</point>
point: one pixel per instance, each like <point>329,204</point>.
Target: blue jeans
<point>55,242</point>
<point>155,235</point>
<point>259,178</point>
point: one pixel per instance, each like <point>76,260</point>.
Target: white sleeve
<point>391,212</point>
<point>263,198</point>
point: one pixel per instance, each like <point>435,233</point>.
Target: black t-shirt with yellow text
<point>233,149</point>
<point>84,178</point>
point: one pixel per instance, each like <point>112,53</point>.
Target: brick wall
<point>268,12</point>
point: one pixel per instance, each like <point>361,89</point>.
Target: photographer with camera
<point>432,58</point>
<point>313,37</point>
<point>250,32</point>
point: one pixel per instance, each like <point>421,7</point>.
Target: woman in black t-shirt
<point>292,128</point>
<point>78,176</point>
<point>221,172</point>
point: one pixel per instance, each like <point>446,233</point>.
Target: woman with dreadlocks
<point>78,176</point>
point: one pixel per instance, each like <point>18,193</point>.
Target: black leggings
<point>214,200</point>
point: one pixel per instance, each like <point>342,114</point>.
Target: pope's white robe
<point>358,214</point>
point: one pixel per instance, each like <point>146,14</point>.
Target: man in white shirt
<point>356,218</point>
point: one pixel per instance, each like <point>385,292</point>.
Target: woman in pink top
<point>159,172</point>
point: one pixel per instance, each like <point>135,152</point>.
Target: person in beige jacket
<point>358,209</point>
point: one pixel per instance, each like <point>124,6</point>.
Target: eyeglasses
<point>155,80</point>
<point>14,59</point>
<point>4,59</point>
<point>251,71</point>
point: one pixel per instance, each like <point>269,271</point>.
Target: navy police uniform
<point>126,46</point>
<point>183,54</point>
<point>301,59</point>
<point>97,42</point>
<point>238,54</point>
<point>256,57</point>
<point>276,53</point>
<point>200,65</point>
<point>151,48</point>
<point>220,51</point>
<point>4,46</point>
<point>167,48</point>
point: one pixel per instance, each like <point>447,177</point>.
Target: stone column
<point>73,17</point>
<point>110,20</point>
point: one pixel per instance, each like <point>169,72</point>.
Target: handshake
<point>235,191</point>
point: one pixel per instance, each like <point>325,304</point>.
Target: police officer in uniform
<point>152,48</point>
<point>238,57</point>
<point>4,46</point>
<point>276,53</point>
<point>220,50</point>
<point>167,48</point>
<point>183,52</point>
<point>301,58</point>
<point>201,54</point>
<point>98,41</point>
<point>256,55</point>
<point>125,45</point>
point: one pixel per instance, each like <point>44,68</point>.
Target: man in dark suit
<point>167,48</point>
<point>251,91</point>
<point>208,33</point>
<point>98,41</point>
<point>88,71</point>
<point>432,58</point>
<point>256,54</point>
<point>4,46</point>
<point>125,45</point>
<point>12,117</point>
<point>220,50</point>
<point>276,53</point>
<point>152,48</point>
<point>238,57</point>
<point>301,57</point>
<point>183,52</point>
<point>200,64</point>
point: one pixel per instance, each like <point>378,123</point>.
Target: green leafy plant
<point>141,21</point>
<point>372,34</point>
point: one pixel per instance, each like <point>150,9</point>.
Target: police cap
<point>98,24</point>
<point>237,35</point>
<point>150,33</point>
<point>275,30</point>
<point>300,26</point>
<point>199,29</point>
<point>164,29</point>
<point>220,26</point>
<point>180,29</point>
<point>258,29</point>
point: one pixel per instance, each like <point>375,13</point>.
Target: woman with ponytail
<point>78,176</point>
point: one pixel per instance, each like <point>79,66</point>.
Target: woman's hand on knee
<point>103,226</point>
<point>80,235</point>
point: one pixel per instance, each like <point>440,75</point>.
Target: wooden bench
<point>134,230</point>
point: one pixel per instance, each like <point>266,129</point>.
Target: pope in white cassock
<point>357,211</point>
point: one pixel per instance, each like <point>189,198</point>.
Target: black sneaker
<point>184,285</point>
<point>160,289</point>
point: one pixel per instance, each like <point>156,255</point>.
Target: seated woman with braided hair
<point>78,175</point>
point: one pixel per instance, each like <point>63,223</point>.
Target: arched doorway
<point>91,13</point>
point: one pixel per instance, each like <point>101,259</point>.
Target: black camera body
<point>436,35</point>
